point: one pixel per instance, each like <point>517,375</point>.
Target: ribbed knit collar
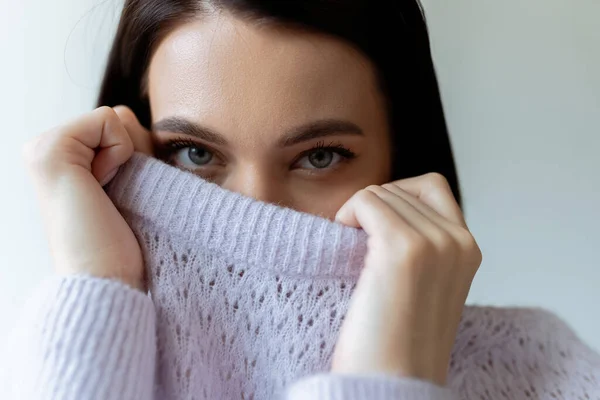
<point>287,242</point>
<point>235,226</point>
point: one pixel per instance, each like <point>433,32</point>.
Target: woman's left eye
<point>319,159</point>
<point>193,157</point>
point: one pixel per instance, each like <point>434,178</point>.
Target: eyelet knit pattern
<point>246,301</point>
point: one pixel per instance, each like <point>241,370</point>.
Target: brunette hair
<point>391,33</point>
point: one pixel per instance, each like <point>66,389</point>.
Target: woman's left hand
<point>421,260</point>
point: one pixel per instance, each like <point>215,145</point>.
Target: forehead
<point>225,68</point>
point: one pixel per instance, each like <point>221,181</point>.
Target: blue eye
<point>199,156</point>
<point>319,159</point>
<point>323,157</point>
<point>192,156</point>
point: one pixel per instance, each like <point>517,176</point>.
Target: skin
<point>252,86</point>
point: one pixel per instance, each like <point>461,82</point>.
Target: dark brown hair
<point>391,33</point>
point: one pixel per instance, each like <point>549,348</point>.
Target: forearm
<point>85,338</point>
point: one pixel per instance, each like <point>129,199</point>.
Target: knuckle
<point>380,191</point>
<point>469,245</point>
<point>437,180</point>
<point>112,119</point>
<point>125,114</point>
<point>391,188</point>
<point>476,254</point>
<point>442,240</point>
<point>106,113</point>
<point>388,186</point>
<point>366,195</point>
<point>478,257</point>
<point>414,244</point>
<point>104,109</point>
<point>465,238</point>
<point>373,189</point>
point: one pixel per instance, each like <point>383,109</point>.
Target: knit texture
<point>82,338</point>
<point>246,301</point>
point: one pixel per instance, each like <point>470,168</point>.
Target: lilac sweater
<point>246,300</point>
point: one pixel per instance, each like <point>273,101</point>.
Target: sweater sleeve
<point>375,387</point>
<point>83,338</point>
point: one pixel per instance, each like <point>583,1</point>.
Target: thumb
<point>140,136</point>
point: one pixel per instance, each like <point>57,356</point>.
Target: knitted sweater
<point>246,300</point>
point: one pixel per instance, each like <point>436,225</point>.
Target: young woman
<point>325,107</point>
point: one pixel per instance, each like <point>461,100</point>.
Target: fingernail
<point>109,177</point>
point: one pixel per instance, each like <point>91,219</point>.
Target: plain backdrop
<point>521,87</point>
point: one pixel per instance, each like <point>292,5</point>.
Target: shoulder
<point>496,326</point>
<point>523,352</point>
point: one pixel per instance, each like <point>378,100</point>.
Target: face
<point>285,117</point>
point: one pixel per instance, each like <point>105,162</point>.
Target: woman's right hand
<point>69,165</point>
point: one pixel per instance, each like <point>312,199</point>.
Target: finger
<point>433,189</point>
<point>115,146</point>
<point>102,131</point>
<point>459,232</point>
<point>99,128</point>
<point>368,211</point>
<point>97,141</point>
<point>417,220</point>
<point>420,206</point>
<point>140,136</point>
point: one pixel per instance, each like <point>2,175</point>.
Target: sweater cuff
<point>87,338</point>
<point>363,387</point>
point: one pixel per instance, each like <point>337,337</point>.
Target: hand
<point>420,264</point>
<point>69,165</point>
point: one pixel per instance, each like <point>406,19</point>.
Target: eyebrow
<point>183,126</point>
<point>319,129</point>
<point>313,130</point>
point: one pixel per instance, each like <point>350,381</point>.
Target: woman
<point>313,106</point>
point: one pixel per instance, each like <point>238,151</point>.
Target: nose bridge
<point>253,182</point>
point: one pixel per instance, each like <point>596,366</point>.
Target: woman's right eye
<point>192,157</point>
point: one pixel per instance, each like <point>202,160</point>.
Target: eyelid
<point>166,149</point>
<point>169,146</point>
<point>336,148</point>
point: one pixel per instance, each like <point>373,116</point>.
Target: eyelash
<point>334,147</point>
<point>177,144</point>
<point>171,146</point>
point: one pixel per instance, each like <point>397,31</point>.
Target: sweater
<point>245,302</point>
